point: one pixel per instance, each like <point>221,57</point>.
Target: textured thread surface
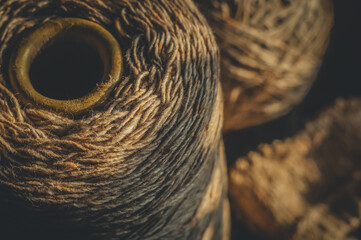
<point>138,167</point>
<point>270,53</point>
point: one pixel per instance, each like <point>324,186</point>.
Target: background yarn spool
<point>307,186</point>
<point>271,51</point>
<point>145,165</point>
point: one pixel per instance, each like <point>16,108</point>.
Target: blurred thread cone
<point>307,186</point>
<point>270,54</point>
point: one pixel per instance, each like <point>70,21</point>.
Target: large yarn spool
<point>270,53</point>
<point>147,163</point>
<point>307,186</point>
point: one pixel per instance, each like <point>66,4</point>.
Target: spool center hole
<point>66,70</point>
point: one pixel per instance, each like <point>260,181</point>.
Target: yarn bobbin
<point>37,72</point>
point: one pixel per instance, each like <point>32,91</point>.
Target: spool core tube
<point>68,65</point>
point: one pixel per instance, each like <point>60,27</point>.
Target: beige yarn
<point>270,53</point>
<point>138,167</point>
<point>307,186</point>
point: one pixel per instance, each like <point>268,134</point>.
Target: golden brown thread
<point>138,167</point>
<point>270,54</point>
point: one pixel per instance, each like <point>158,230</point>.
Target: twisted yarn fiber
<point>146,165</point>
<point>271,51</point>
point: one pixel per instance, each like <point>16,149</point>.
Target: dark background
<point>339,76</point>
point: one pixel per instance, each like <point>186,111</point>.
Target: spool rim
<point>82,30</point>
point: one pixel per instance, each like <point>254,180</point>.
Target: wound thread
<point>141,165</point>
